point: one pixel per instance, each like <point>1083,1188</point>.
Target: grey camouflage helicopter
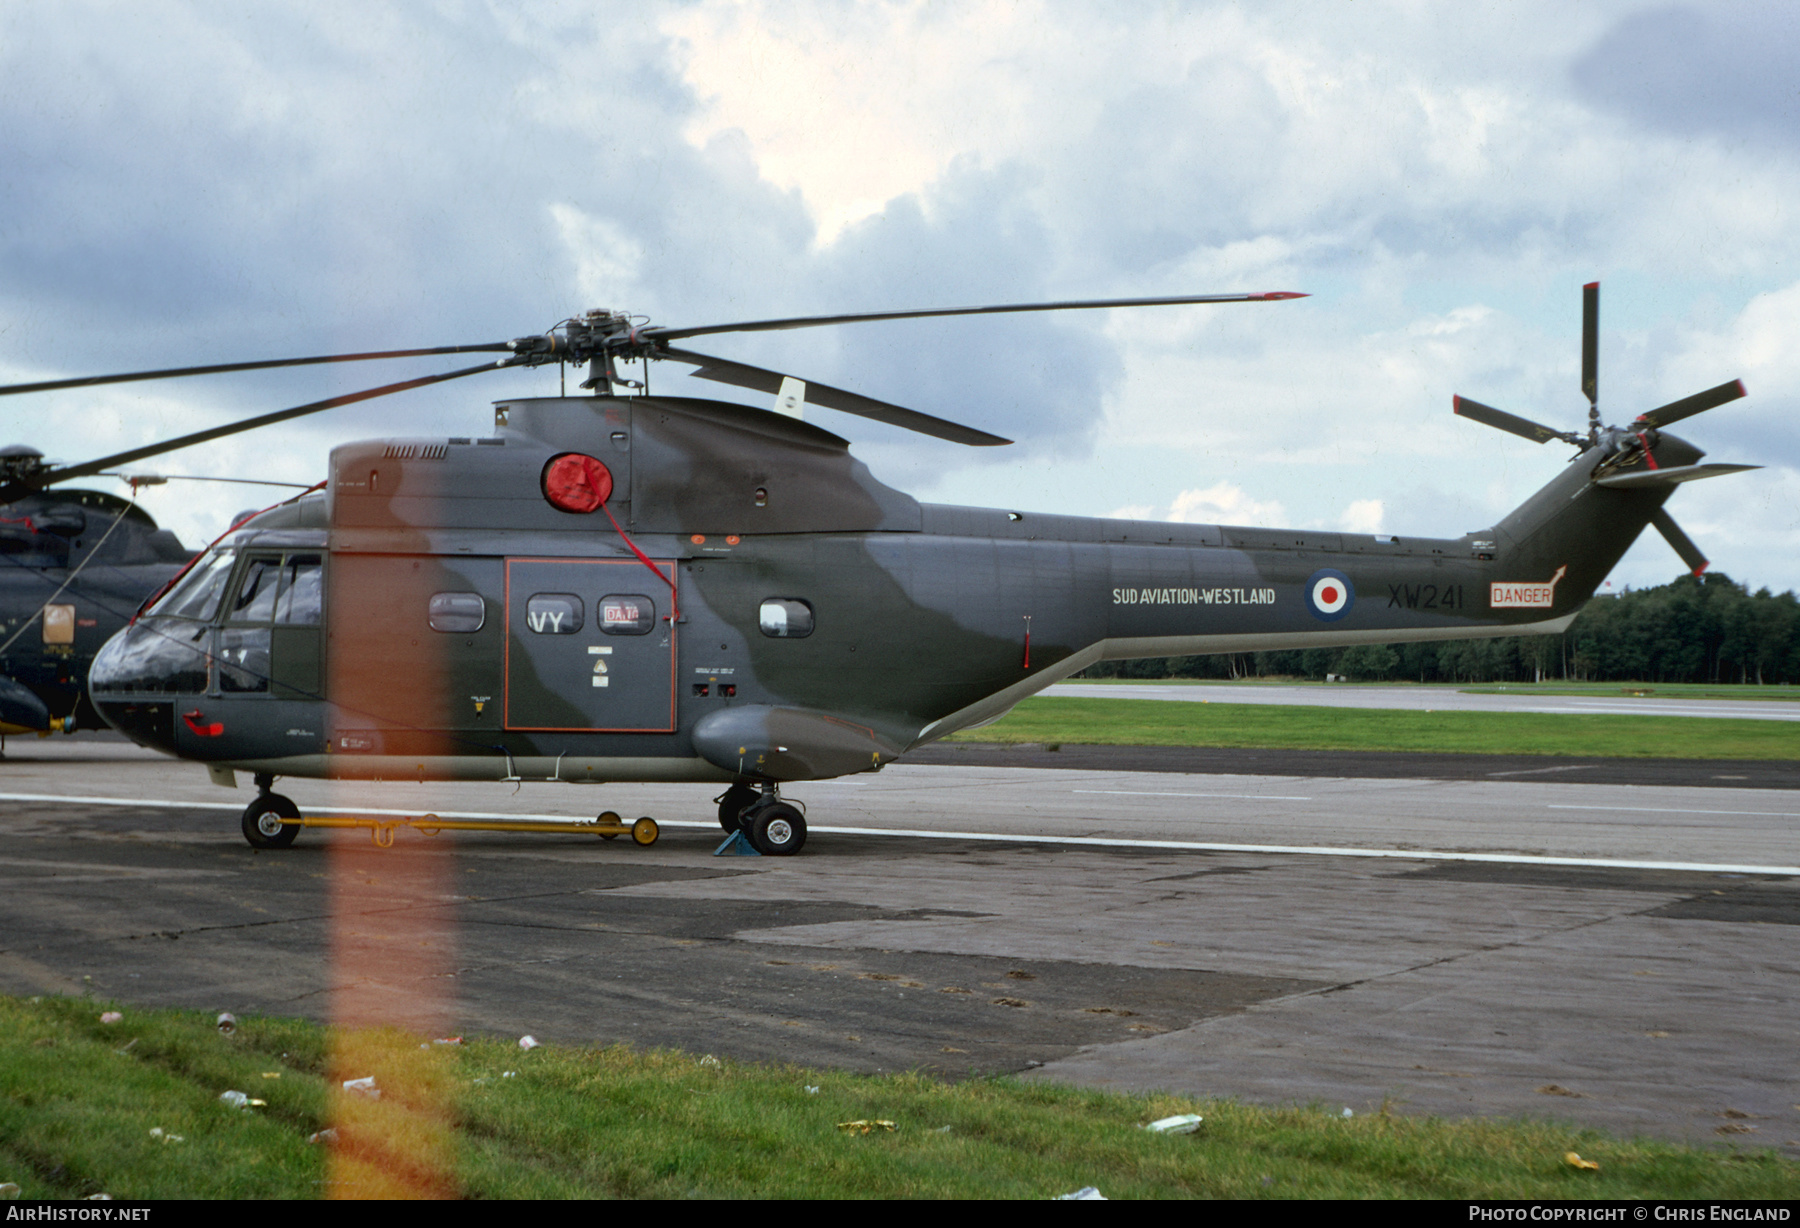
<point>617,588</point>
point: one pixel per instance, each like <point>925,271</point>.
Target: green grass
<point>78,1099</point>
<point>1554,686</point>
<point>1076,720</point>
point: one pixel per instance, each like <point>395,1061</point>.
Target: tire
<point>644,831</point>
<point>262,823</point>
<point>732,805</point>
<point>777,830</point>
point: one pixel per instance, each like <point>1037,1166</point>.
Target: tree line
<point>1696,629</point>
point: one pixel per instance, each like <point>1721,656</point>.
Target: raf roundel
<point>1329,594</point>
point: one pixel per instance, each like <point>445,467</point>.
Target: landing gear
<point>263,826</point>
<point>775,828</point>
<point>732,805</point>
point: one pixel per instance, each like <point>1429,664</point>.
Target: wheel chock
<point>736,845</point>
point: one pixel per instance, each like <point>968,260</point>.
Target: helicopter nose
<point>141,676</point>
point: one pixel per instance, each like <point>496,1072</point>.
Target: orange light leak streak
<point>392,960</point>
<point>393,937</point>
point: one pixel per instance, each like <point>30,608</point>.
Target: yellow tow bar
<point>607,826</point>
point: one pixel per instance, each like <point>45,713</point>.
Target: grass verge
<point>1155,722</point>
<point>79,1099</point>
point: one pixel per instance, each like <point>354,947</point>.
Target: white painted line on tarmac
<point>1765,814</point>
<point>1517,859</point>
<point>1255,797</point>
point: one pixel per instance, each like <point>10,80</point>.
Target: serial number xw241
<point>1426,597</point>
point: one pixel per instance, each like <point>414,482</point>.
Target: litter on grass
<point>1181,1123</point>
<point>364,1086</point>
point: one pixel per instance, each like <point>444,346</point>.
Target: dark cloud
<point>1731,71</point>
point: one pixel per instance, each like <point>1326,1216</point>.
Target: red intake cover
<point>577,483</point>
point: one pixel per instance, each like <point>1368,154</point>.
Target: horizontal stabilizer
<point>1668,477</point>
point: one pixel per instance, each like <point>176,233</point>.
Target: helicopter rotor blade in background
<point>1687,407</point>
<point>90,381</point>
<point>1525,428</point>
<point>742,375</point>
<point>1684,545</point>
<point>759,326</point>
<point>51,476</point>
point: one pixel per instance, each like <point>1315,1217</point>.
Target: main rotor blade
<point>742,375</point>
<point>1525,428</point>
<point>761,326</point>
<point>52,476</point>
<point>91,381</point>
<point>1684,545</point>
<point>1687,407</point>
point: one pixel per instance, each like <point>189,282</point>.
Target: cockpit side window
<point>197,596</point>
<point>302,597</point>
<point>255,598</point>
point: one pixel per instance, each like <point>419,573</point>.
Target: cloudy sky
<point>184,183</point>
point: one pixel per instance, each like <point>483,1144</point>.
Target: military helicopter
<point>622,587</point>
<point>74,566</point>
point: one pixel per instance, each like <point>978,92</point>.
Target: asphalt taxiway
<point>1613,954</point>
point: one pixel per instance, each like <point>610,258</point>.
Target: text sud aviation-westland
<point>1193,596</point>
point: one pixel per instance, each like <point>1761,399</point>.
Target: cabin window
<point>554,613</point>
<point>627,614</point>
<point>460,613</point>
<point>786,618</point>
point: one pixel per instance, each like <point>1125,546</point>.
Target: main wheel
<point>777,829</point>
<point>732,805</point>
<point>263,827</point>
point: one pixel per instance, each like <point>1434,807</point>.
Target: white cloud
<point>1362,516</point>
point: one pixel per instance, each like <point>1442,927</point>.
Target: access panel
<point>590,646</point>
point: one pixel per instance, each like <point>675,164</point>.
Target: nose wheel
<point>263,826</point>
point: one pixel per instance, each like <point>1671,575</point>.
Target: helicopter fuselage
<point>74,566</point>
<point>747,603</point>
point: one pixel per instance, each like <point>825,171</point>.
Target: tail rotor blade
<point>1687,407</point>
<point>1590,343</point>
<point>1684,545</point>
<point>1525,428</point>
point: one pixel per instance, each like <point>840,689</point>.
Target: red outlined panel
<point>566,670</point>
